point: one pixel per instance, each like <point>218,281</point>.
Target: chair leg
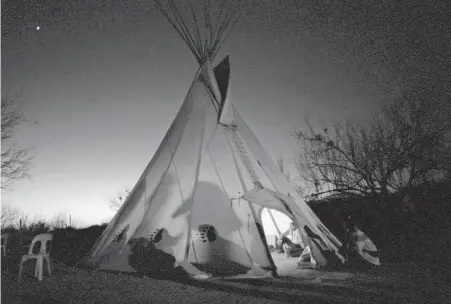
<point>36,268</point>
<point>20,268</point>
<point>40,267</point>
<point>48,265</point>
<point>5,262</point>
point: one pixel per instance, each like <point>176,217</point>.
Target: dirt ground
<point>391,284</point>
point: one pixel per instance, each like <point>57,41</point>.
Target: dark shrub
<point>71,245</point>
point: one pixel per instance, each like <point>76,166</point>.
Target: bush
<point>71,245</point>
<point>398,233</point>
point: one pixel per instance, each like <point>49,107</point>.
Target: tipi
<point>200,198</point>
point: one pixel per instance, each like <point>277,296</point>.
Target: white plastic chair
<point>4,249</point>
<point>43,254</point>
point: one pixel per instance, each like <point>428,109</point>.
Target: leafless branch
<point>9,217</point>
<point>16,161</point>
<point>407,143</point>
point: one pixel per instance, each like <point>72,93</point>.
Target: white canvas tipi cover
<point>200,198</point>
<point>206,175</point>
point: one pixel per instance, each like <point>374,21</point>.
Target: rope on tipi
<point>241,148</point>
<point>243,184</point>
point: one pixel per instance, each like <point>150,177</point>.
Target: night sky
<point>101,81</point>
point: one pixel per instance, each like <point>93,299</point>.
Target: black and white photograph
<point>225,151</point>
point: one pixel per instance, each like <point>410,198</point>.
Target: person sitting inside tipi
<point>291,241</point>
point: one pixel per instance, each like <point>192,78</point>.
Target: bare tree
<point>59,221</point>
<point>335,161</point>
<point>422,118</point>
<point>406,144</point>
<point>9,217</point>
<point>284,169</point>
<point>16,161</point>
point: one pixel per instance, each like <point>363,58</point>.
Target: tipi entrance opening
<point>276,226</point>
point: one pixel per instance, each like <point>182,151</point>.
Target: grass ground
<point>400,283</point>
<point>72,285</point>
